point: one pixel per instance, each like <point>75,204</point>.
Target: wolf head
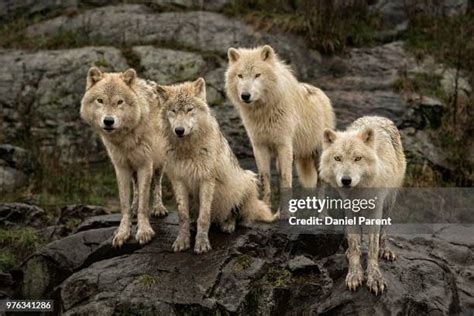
<point>110,104</point>
<point>184,109</point>
<point>348,158</point>
<point>251,74</point>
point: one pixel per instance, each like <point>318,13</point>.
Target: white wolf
<point>123,109</point>
<point>283,117</point>
<point>201,165</point>
<point>369,154</point>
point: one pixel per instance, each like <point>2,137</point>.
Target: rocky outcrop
<point>40,94</point>
<point>16,164</point>
<point>269,269</point>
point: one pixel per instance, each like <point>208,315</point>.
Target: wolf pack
<point>151,131</point>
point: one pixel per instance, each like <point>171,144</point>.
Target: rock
<point>420,148</point>
<point>20,214</point>
<point>167,66</point>
<point>302,264</point>
<point>203,31</point>
<point>215,5</point>
<point>266,269</point>
<point>15,164</point>
<point>40,93</point>
<point>362,83</point>
<point>396,13</point>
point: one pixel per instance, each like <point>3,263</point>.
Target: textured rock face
<point>270,269</point>
<point>40,95</point>
<point>15,165</point>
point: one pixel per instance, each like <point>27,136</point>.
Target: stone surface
<point>197,30</point>
<point>16,164</point>
<point>40,94</point>
<point>21,214</point>
<point>246,272</point>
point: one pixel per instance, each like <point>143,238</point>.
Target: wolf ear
<point>368,136</point>
<point>200,88</point>
<point>162,93</point>
<point>267,53</point>
<point>329,137</point>
<point>233,54</point>
<point>129,76</point>
<point>93,76</point>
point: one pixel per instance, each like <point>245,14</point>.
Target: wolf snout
<point>245,96</point>
<point>346,181</point>
<point>179,131</point>
<point>109,122</point>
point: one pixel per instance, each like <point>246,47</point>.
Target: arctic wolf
<point>369,154</point>
<point>283,117</point>
<point>202,166</point>
<point>121,107</point>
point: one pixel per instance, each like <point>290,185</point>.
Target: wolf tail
<point>307,174</point>
<point>254,209</point>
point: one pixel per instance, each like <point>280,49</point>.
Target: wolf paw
<point>159,210</point>
<point>181,243</point>
<point>388,254</point>
<point>228,226</point>
<point>121,235</point>
<point>354,277</point>
<point>202,244</point>
<point>375,281</point>
<point>144,234</point>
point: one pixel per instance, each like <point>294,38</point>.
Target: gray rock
<point>11,179</point>
<point>21,214</point>
<point>302,264</point>
<point>41,92</point>
<point>197,30</point>
<point>167,66</point>
<point>245,272</point>
<point>396,12</point>
<point>15,165</point>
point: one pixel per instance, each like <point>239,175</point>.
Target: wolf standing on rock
<point>283,117</point>
<point>121,107</point>
<point>201,165</point>
<point>368,155</point>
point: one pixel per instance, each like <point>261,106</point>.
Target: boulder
<point>277,269</point>
<point>40,93</point>
<point>203,31</point>
<point>16,164</point>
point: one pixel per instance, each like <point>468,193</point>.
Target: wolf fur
<point>369,154</point>
<point>132,142</point>
<point>283,117</point>
<point>201,165</point>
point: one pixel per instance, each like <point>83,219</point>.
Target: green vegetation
<point>277,276</point>
<point>148,280</point>
<point>449,40</point>
<point>242,262</point>
<point>15,245</point>
<point>329,26</point>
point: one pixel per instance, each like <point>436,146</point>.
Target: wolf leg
<point>144,232</point>
<point>375,280</point>
<point>158,207</point>
<point>134,206</point>
<point>124,177</point>
<point>263,159</point>
<point>206,194</point>
<point>183,241</point>
<point>285,162</point>
<point>355,274</point>
<point>385,251</point>
<point>307,174</point>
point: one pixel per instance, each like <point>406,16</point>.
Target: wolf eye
<point>358,158</point>
<point>337,158</point>
<point>119,102</point>
<point>189,110</point>
<point>174,111</point>
<point>240,76</point>
<point>257,75</point>
<point>100,100</point>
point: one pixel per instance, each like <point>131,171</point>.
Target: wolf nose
<point>109,121</point>
<point>179,131</point>
<point>245,96</point>
<point>346,181</point>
